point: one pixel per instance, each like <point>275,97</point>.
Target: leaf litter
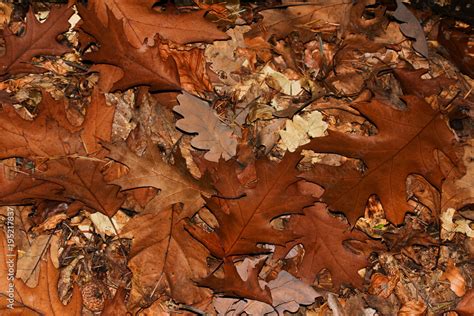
<point>229,158</point>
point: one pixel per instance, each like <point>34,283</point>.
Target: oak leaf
<point>164,258</point>
<point>244,216</point>
<point>213,135</point>
<point>175,183</point>
<point>41,300</point>
<point>324,237</point>
<point>141,66</point>
<point>27,265</point>
<point>288,293</point>
<point>61,161</point>
<point>405,144</point>
<point>39,39</point>
<point>141,22</point>
<point>281,22</point>
<point>410,27</point>
<point>18,188</point>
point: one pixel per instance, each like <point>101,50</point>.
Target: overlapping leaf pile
<point>169,158</point>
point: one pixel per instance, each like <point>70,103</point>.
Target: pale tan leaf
<point>213,135</point>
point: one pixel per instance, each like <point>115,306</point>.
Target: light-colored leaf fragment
<point>213,135</point>
<point>288,293</point>
<point>280,82</point>
<point>108,226</point>
<point>299,130</point>
<point>28,265</point>
<point>450,227</point>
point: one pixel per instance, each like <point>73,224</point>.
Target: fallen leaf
<point>413,308</point>
<point>97,125</point>
<point>457,191</point>
<point>455,278</point>
<point>141,22</point>
<point>213,135</point>
<point>288,293</point>
<point>41,300</point>
<point>306,19</point>
<point>410,27</point>
<point>404,145</point>
<point>245,214</point>
<point>176,185</point>
<point>39,39</point>
<point>299,130</point>
<point>450,227</point>
<point>329,253</point>
<point>27,265</point>
<point>164,258</point>
<point>62,165</point>
<point>465,306</point>
<point>140,66</point>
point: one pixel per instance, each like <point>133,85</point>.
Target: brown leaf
<point>18,188</point>
<point>141,22</point>
<point>304,19</point>
<point>410,27</point>
<point>97,124</point>
<point>176,185</point>
<point>164,258</point>
<point>192,69</point>
<point>234,285</point>
<point>465,307</point>
<point>413,84</point>
<point>213,135</point>
<point>41,300</point>
<point>116,305</point>
<point>62,165</point>
<point>323,237</point>
<point>288,293</point>
<point>244,216</point>
<point>141,66</point>
<point>455,278</point>
<point>457,190</point>
<point>405,144</point>
<point>27,265</point>
<point>82,180</point>
<point>413,308</point>
<point>456,40</point>
<point>39,39</point>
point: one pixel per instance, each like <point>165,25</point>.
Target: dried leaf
<point>455,278</point>
<point>27,266</point>
<point>140,66</point>
<point>323,252</point>
<point>299,130</point>
<point>213,135</point>
<point>465,306</point>
<point>245,214</point>
<point>164,258</point>
<point>176,185</point>
<point>304,19</point>
<point>62,163</point>
<point>410,27</point>
<point>413,308</point>
<point>288,293</point>
<point>141,22</point>
<point>404,145</point>
<point>39,39</point>
<point>458,191</point>
<point>97,124</point>
<point>41,300</point>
